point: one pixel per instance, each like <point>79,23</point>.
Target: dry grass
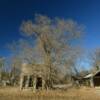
<point>72,94</point>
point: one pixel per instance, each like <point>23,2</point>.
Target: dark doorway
<point>24,81</point>
<point>96,81</point>
<point>39,83</point>
<point>30,81</point>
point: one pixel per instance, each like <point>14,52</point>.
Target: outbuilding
<point>33,76</point>
<point>92,80</point>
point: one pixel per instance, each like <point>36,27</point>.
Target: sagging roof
<point>92,74</point>
<point>88,76</point>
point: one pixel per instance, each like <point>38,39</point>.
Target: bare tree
<point>54,38</point>
<point>15,70</point>
<point>96,60</point>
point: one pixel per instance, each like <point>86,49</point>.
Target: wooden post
<point>27,82</point>
<point>91,82</point>
<point>34,84</point>
<point>43,84</point>
<point>21,82</point>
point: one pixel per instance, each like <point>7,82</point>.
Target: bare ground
<point>71,94</point>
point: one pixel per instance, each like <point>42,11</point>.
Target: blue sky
<point>13,12</point>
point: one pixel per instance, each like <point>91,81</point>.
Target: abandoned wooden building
<point>92,80</point>
<point>33,76</point>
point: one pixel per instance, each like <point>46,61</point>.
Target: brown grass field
<point>71,94</point>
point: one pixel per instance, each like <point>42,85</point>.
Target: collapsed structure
<point>90,80</point>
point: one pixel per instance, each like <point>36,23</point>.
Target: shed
<point>93,80</point>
